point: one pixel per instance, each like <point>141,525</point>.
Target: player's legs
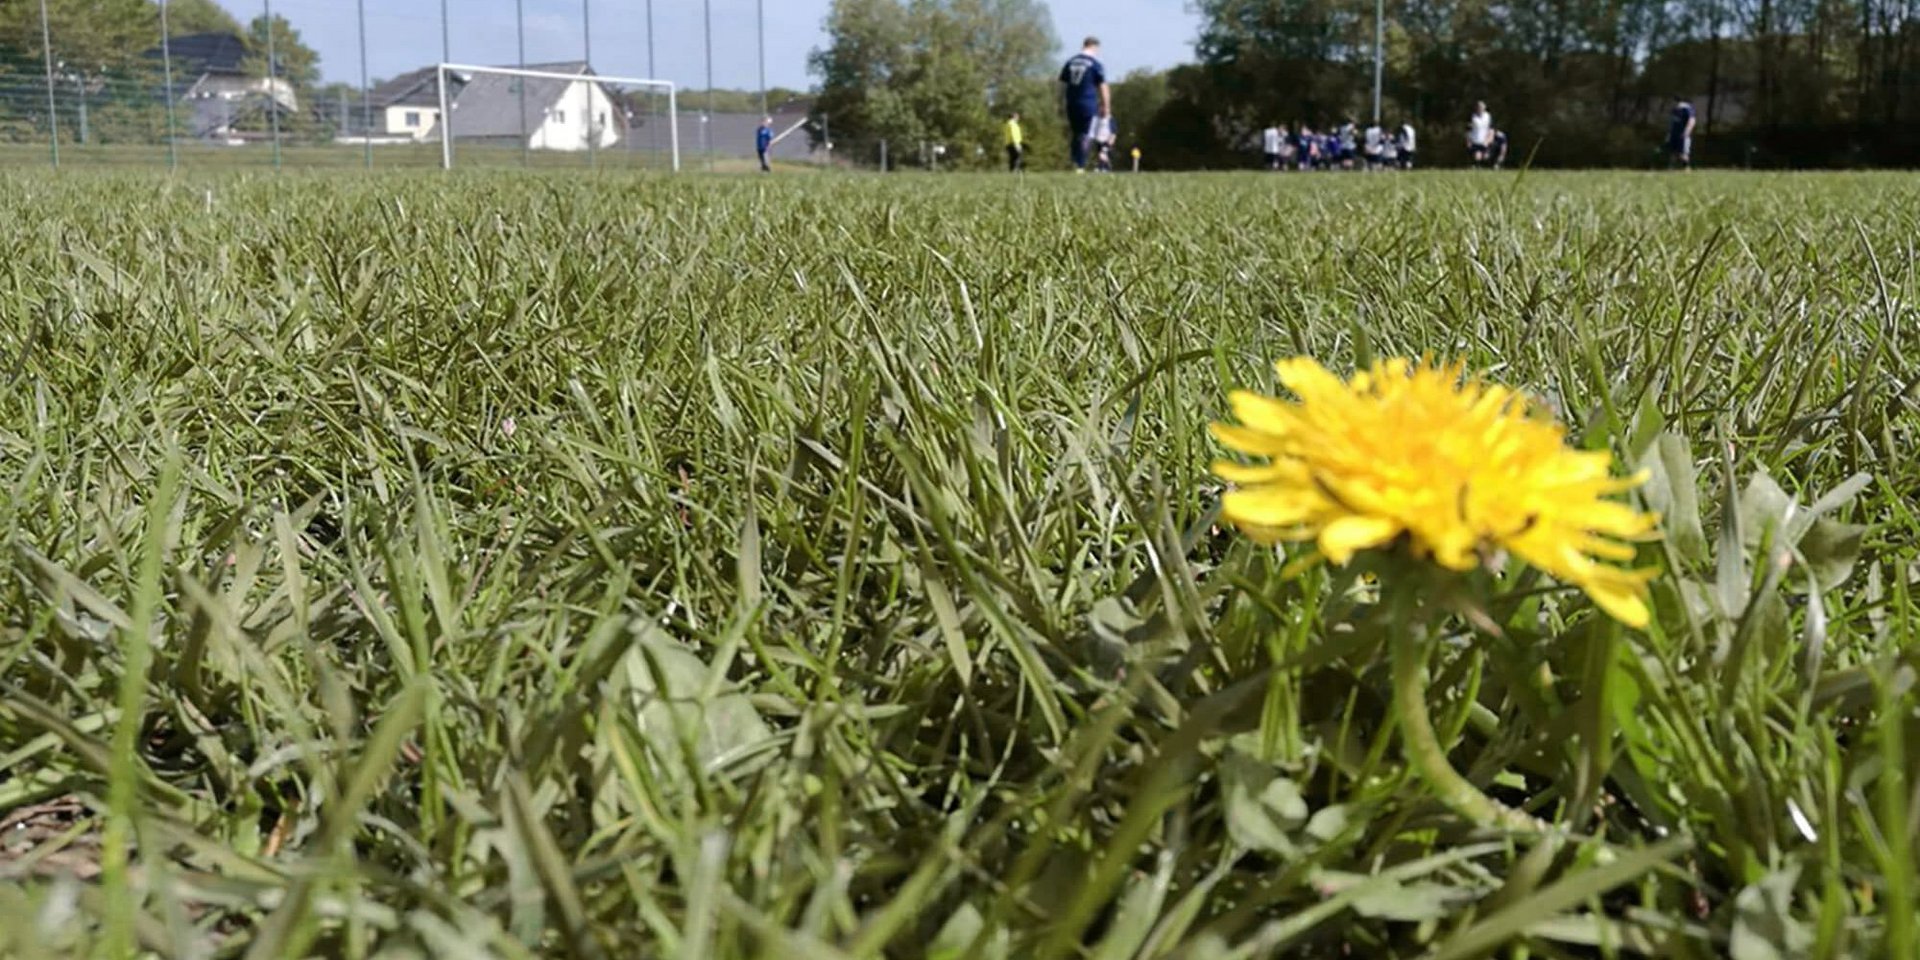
<point>1078,124</point>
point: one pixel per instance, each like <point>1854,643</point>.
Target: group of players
<point>1344,147</point>
<point>1090,132</point>
<point>1348,147</point>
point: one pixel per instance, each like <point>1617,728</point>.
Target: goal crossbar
<point>446,104</point>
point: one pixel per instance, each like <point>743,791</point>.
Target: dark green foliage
<point>1581,84</point>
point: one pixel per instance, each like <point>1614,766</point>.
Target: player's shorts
<point>1680,146</point>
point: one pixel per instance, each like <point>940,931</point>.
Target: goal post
<point>479,96</point>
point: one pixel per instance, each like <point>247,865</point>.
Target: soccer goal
<point>555,110</point>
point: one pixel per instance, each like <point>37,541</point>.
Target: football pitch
<point>551,564</point>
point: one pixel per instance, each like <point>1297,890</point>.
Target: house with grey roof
<point>491,108</point>
<point>408,106</point>
<point>222,97</point>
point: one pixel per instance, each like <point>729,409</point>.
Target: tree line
<point>1776,83</point>
<point>108,83</point>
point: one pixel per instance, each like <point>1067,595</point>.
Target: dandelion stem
<point>1423,748</point>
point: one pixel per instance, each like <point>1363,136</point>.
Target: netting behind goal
<point>547,115</point>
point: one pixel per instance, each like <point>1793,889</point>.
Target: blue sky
<point>403,34</point>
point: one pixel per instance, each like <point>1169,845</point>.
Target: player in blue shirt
<point>763,141</point>
<point>1088,97</point>
<point>1680,133</point>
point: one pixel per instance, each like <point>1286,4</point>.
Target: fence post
<point>366,95</point>
<point>706,123</point>
<point>166,63</point>
<point>273,93</point>
<point>586,36</point>
<point>653,111</point>
<point>520,28</point>
<point>53,109</point>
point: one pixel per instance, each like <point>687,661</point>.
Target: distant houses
<point>502,109</point>
<point>223,98</point>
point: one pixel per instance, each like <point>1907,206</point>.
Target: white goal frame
<point>446,105</point>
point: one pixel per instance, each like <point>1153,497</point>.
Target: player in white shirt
<point>1270,140</point>
<point>1372,142</point>
<point>1480,134</point>
<point>1408,143</point>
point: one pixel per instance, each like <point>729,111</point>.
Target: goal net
<point>547,115</point>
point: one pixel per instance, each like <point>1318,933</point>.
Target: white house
<point>407,106</point>
<point>551,114</point>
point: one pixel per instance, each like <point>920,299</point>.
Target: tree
<point>858,70</point>
<point>1138,99</point>
<point>101,80</point>
<point>186,17</point>
<point>935,72</point>
<point>90,37</point>
<point>294,61</point>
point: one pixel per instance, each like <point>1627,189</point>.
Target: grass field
<point>509,565</point>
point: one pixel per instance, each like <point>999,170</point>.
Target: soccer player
<point>1497,150</point>
<point>1389,150</point>
<point>1349,137</point>
<point>1680,133</point>
<point>1088,97</point>
<point>1372,145</point>
<point>1408,144</point>
<point>1016,144</point>
<point>1305,146</point>
<point>1480,134</point>
<point>1270,145</point>
<point>763,142</point>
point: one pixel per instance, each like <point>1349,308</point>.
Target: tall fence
<point>352,83</point>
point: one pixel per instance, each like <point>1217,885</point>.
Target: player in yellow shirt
<point>1016,145</point>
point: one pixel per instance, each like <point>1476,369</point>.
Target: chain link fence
<point>356,83</point>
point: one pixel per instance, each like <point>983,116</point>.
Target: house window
<point>413,118</point>
<point>601,119</point>
<point>560,117</point>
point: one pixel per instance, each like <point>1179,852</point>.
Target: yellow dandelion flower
<point>1455,466</point>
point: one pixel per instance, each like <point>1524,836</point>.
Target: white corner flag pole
<point>782,135</point>
<point>673,127</point>
<point>446,122</point>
